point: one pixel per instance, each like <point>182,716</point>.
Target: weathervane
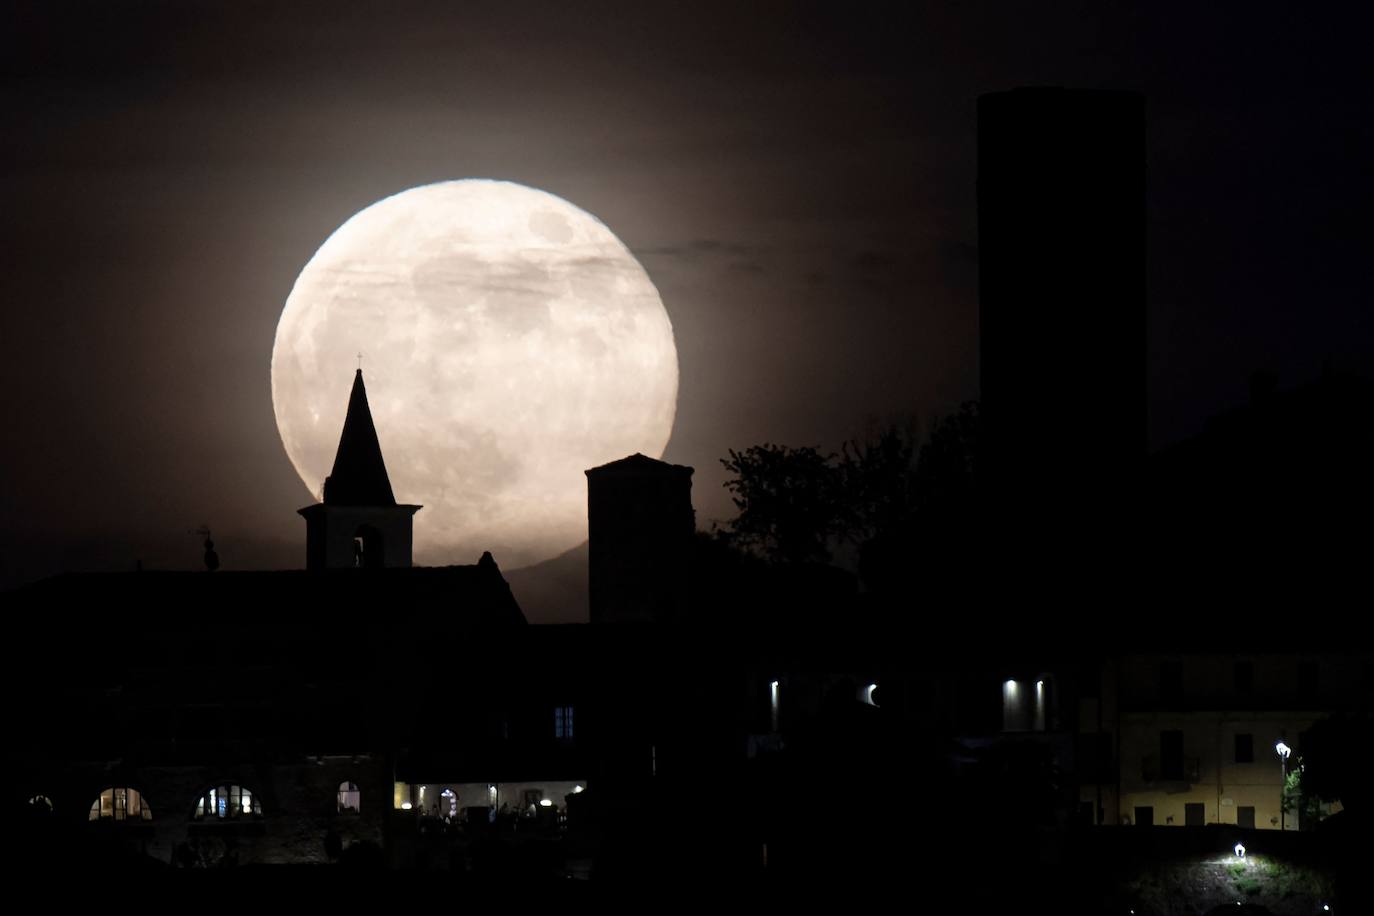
<point>211,558</point>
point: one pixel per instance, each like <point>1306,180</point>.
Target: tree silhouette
<point>887,494</point>
<point>879,478</point>
<point>1335,759</point>
<point>947,473</point>
<point>789,502</point>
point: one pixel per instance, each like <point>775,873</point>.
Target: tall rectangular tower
<point>640,524</point>
<point>1061,232</point>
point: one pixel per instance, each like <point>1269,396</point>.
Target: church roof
<point>359,477</point>
<point>272,602</point>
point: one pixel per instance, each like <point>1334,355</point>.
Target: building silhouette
<point>1061,250</point>
<point>358,521</point>
<point>717,717</point>
<point>640,527</point>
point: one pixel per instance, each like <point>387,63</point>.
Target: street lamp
<point>1283,751</point>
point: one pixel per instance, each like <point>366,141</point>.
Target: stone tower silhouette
<point>359,523</point>
<point>1062,285</point>
<point>640,523</point>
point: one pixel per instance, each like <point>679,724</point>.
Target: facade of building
<point>1209,738</point>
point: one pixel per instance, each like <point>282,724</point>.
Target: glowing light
<point>1282,750</point>
<point>1015,716</point>
<point>1240,850</point>
<point>510,342</point>
<point>405,806</point>
<point>868,694</point>
<point>545,803</point>
<point>577,789</point>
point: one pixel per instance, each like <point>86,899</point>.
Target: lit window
<point>350,799</point>
<point>563,722</point>
<point>774,695</point>
<point>228,802</point>
<point>120,804</point>
<point>1016,712</point>
<point>449,798</point>
<point>41,803</point>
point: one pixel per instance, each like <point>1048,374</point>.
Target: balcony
<point>1179,769</point>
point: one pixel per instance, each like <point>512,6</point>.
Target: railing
<point>1188,769</point>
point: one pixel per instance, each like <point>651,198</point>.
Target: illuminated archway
<point>120,803</point>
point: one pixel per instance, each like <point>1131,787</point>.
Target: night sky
<point>798,180</point>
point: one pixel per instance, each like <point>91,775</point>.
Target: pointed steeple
<point>359,477</point>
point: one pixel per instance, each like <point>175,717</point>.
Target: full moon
<point>509,342</point>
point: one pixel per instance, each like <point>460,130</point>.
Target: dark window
<point>1245,748</point>
<point>1085,812</point>
<point>1145,816</point>
<point>1195,814</point>
<point>1309,680</point>
<point>1171,755</point>
<point>1171,681</point>
<point>1245,816</point>
<point>1245,678</point>
<point>563,722</point>
<point>1094,756</point>
<point>1090,682</point>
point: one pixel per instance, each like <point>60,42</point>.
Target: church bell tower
<point>359,523</point>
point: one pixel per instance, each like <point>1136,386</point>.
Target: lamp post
<point>1283,751</point>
